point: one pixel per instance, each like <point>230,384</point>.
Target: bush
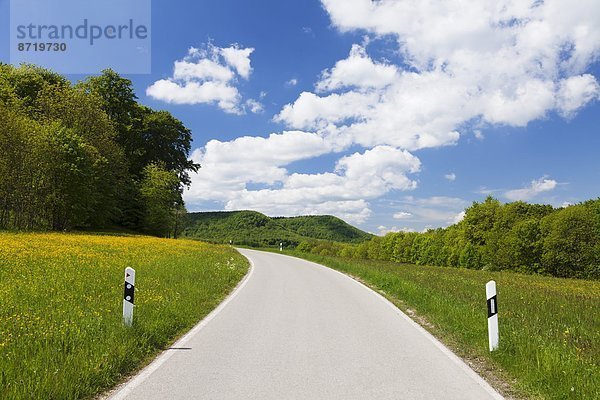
<point>570,244</point>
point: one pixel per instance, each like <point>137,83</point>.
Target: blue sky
<point>393,116</point>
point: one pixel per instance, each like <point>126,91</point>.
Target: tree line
<point>530,238</point>
<point>87,155</point>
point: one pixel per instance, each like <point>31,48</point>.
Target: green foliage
<point>47,174</point>
<point>118,99</point>
<point>530,238</point>
<point>252,228</point>
<point>146,136</point>
<point>76,156</point>
<point>162,139</point>
<point>570,242</point>
<point>524,246</point>
<point>19,176</point>
<point>325,227</point>
<point>68,184</point>
<point>469,257</point>
<point>160,197</point>
<point>26,83</point>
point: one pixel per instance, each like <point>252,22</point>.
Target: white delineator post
<point>492,308</point>
<point>128,296</point>
<point>281,246</point>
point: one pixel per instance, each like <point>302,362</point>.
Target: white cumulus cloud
<point>536,187</point>
<point>433,211</point>
<point>208,75</point>
<point>238,58</point>
<point>453,67</point>
<point>255,106</point>
<point>402,215</point>
<point>459,217</point>
<point>451,176</point>
<point>358,70</point>
<point>384,230</point>
<point>575,92</point>
<point>230,168</point>
<point>488,62</point>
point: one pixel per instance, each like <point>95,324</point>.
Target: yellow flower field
<point>61,335</point>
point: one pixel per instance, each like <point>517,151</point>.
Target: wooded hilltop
<point>251,228</point>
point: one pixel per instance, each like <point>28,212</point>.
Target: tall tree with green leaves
<point>571,242</point>
<point>165,140</point>
<point>161,198</point>
<point>79,156</point>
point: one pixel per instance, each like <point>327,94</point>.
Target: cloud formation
<point>451,176</point>
<point>458,68</point>
<point>402,215</point>
<point>208,75</point>
<point>384,230</point>
<point>486,62</point>
<point>431,211</point>
<point>228,168</point>
<point>536,187</point>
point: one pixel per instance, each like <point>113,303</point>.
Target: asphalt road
<point>297,330</point>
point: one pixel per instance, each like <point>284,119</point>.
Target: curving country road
<point>297,330</point>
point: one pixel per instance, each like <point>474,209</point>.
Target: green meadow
<point>61,331</point>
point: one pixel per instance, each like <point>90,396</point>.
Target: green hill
<point>255,229</point>
<point>324,227</point>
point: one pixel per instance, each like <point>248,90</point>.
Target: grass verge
<point>549,327</point>
<point>61,335</point>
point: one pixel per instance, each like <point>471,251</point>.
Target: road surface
<point>297,330</point>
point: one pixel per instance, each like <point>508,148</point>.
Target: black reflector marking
<point>129,292</point>
<point>492,306</point>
